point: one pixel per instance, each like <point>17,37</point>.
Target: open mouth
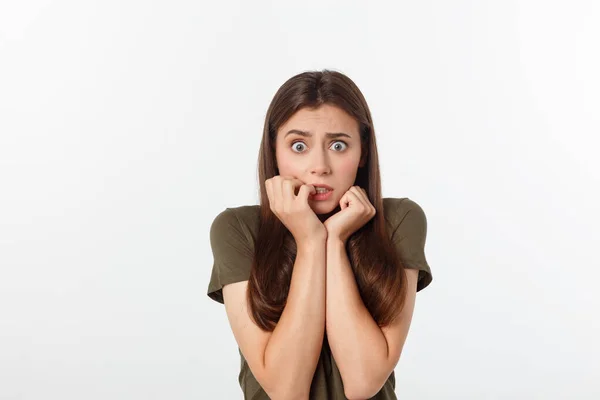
<point>324,194</point>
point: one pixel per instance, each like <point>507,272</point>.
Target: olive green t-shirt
<point>233,234</point>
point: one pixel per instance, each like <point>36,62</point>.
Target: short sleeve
<point>409,237</point>
<point>232,253</point>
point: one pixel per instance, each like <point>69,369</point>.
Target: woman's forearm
<point>357,343</point>
<point>292,353</point>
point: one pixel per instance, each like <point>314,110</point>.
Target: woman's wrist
<point>312,243</point>
<point>334,240</point>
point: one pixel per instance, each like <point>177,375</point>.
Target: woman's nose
<point>320,164</point>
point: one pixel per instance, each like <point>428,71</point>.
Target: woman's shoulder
<point>232,240</point>
<point>244,212</point>
<point>398,206</point>
<point>396,209</point>
<point>244,218</point>
<point>399,202</point>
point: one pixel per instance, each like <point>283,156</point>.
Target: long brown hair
<point>378,270</point>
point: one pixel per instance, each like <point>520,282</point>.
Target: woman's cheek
<point>287,168</point>
<point>348,169</point>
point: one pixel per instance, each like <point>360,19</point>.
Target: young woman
<point>319,280</point>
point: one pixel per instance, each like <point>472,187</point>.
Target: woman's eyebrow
<point>308,134</point>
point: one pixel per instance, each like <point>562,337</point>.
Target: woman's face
<point>328,152</point>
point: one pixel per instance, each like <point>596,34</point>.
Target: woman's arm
<point>365,353</point>
<point>293,350</point>
<point>284,361</point>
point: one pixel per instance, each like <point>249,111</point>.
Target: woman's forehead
<point>320,121</point>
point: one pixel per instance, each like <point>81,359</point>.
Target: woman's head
<point>318,129</point>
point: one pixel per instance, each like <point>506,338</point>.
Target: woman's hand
<point>355,211</point>
<point>293,210</point>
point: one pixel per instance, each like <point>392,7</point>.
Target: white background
<point>127,126</point>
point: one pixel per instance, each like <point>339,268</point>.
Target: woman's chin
<point>324,207</point>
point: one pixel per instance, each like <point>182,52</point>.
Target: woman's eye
<point>297,146</point>
<point>340,141</point>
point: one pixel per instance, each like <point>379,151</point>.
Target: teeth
<point>322,190</point>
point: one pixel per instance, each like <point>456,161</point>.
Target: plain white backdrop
<point>127,126</point>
